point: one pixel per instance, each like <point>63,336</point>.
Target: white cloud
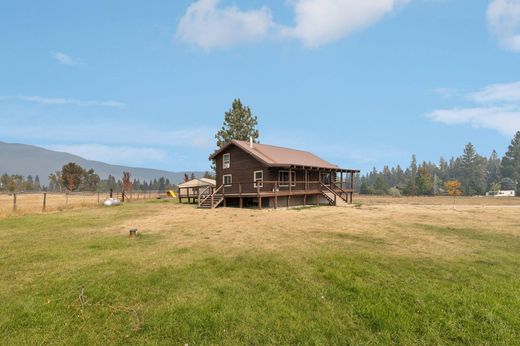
<point>208,26</point>
<point>498,108</point>
<point>503,18</point>
<point>319,22</point>
<point>68,101</point>
<point>508,92</point>
<point>65,59</point>
<point>505,120</point>
<point>127,155</point>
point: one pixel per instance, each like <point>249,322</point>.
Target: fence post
<point>66,198</point>
<point>98,197</point>
<point>44,201</point>
<point>123,196</point>
<point>14,201</point>
<point>111,193</point>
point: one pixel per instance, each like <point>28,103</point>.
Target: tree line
<point>73,177</point>
<point>476,174</point>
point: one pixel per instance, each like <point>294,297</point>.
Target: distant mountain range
<point>27,160</point>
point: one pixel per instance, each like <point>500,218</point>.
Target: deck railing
<point>277,187</point>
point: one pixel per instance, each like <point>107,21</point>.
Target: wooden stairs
<point>334,197</point>
<point>209,199</point>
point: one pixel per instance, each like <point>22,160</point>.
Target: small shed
<point>191,189</point>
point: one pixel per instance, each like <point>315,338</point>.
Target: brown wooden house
<point>266,176</point>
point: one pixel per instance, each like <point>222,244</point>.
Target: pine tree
<point>473,170</point>
<point>511,162</point>
<point>239,124</point>
<point>411,188</point>
<point>29,183</point>
<point>493,175</point>
<point>208,175</point>
<point>37,185</point>
<point>424,182</point>
<point>363,189</point>
<point>380,186</point>
<point>413,167</point>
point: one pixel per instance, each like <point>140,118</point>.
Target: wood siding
<point>241,168</point>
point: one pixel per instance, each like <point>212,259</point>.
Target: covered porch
<point>306,184</point>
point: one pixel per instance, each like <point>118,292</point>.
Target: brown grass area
<point>31,203</point>
<point>437,200</point>
<point>406,226</point>
<point>396,229</point>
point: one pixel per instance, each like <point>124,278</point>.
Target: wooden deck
<point>278,193</point>
<point>273,191</point>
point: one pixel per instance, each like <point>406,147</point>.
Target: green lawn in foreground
<point>138,291</point>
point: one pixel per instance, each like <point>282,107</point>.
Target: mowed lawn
<point>375,273</point>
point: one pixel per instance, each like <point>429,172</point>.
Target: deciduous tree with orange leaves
<point>453,189</point>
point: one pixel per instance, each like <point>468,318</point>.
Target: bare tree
<point>127,184</point>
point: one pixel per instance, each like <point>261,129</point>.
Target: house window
<point>227,179</point>
<point>283,178</point>
<point>226,161</point>
<point>258,177</point>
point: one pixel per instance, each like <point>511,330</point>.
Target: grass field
<point>384,271</point>
<point>31,203</point>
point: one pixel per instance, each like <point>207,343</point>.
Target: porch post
<point>259,197</point>
<point>276,195</point>
<point>240,195</point>
<point>351,185</point>
<point>306,180</point>
<point>290,180</point>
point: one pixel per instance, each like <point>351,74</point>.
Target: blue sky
<point>361,83</point>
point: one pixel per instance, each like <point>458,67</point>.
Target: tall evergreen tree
<point>411,187</point>
<point>37,185</point>
<point>472,169</point>
<point>424,182</point>
<point>239,124</point>
<point>493,174</point>
<point>511,162</point>
<point>29,183</point>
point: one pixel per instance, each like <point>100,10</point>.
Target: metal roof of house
<point>275,156</point>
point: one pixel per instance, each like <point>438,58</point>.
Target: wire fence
<point>30,202</point>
